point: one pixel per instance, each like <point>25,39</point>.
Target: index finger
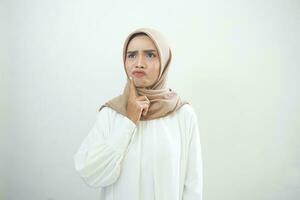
<point>132,89</point>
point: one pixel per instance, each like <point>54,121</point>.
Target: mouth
<point>138,74</point>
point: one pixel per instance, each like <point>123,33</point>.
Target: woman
<point>145,143</point>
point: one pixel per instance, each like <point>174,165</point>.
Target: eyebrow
<point>148,50</point>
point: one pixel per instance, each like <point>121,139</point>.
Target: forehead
<point>141,42</point>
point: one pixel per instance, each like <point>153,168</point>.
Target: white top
<point>158,159</point>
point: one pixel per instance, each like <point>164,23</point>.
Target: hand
<point>136,105</point>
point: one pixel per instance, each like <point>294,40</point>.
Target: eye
<point>131,55</point>
<point>151,55</point>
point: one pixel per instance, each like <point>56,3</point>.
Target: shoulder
<point>105,114</point>
<point>104,118</point>
<point>188,117</point>
<point>104,110</point>
<point>187,111</point>
<point>109,115</point>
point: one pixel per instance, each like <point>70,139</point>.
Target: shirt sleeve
<point>193,184</point>
<point>98,159</point>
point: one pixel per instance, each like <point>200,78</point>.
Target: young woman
<point>145,143</point>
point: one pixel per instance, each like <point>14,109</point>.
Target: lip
<point>138,73</point>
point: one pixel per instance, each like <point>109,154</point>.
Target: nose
<point>140,62</point>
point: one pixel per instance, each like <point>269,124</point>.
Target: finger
<point>145,108</point>
<point>147,99</point>
<point>145,111</point>
<point>142,98</point>
<point>139,98</point>
<point>143,103</point>
<point>132,89</point>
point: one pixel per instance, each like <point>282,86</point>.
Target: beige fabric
<point>163,100</point>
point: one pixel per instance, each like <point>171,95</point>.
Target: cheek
<point>127,66</point>
<point>155,71</point>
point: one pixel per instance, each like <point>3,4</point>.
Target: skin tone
<point>142,55</point>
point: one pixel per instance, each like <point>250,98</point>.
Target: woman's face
<point>142,61</point>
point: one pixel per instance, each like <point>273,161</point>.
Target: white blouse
<point>158,159</point>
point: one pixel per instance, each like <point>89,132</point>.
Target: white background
<point>237,62</point>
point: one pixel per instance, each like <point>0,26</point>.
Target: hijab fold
<point>163,100</point>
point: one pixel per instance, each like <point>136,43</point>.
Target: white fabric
<point>158,159</point>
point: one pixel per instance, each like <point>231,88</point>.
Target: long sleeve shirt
<point>158,159</point>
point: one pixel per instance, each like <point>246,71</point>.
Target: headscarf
<point>163,100</point>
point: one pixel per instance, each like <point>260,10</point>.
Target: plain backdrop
<point>236,61</point>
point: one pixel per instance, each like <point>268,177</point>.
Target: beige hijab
<point>163,101</point>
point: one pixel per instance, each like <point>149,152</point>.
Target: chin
<point>141,83</point>
<point>143,86</point>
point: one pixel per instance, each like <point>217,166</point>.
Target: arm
<point>98,159</point>
<point>193,185</point>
